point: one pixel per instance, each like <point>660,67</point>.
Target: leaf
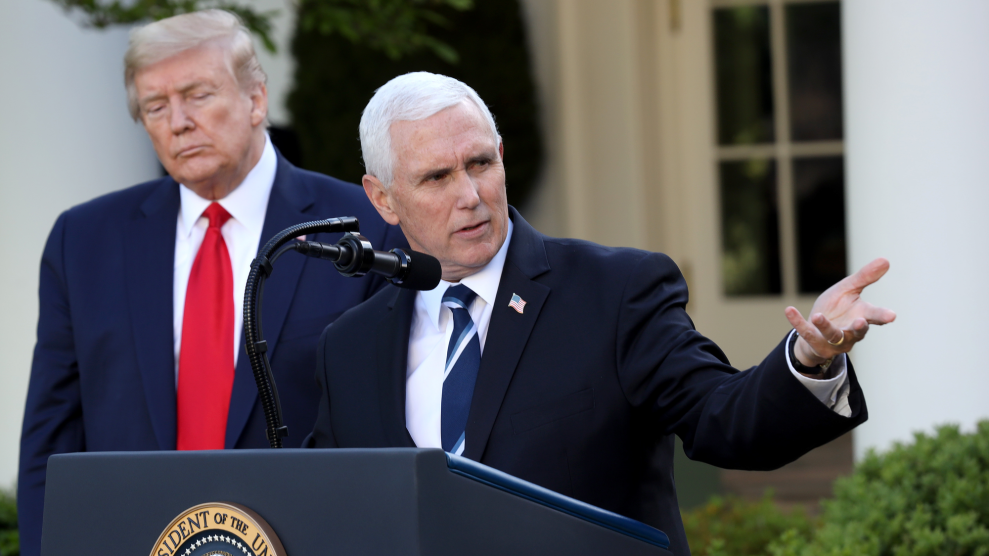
<point>927,497</point>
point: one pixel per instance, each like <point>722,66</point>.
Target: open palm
<point>840,317</point>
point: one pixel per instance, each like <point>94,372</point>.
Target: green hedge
<point>927,498</point>
<point>334,79</point>
<point>9,542</point>
<point>930,497</point>
<point>732,526</point>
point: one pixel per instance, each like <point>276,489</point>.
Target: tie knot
<point>459,295</point>
<point>217,215</point>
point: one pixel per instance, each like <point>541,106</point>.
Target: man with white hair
<point>139,336</point>
<point>559,361</point>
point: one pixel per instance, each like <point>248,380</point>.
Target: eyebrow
<point>479,158</point>
<point>183,89</point>
<point>434,172</point>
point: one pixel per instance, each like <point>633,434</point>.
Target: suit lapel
<point>287,206</point>
<point>393,352</point>
<point>508,331</point>
<point>149,266</point>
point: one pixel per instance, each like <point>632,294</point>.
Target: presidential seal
<point>218,529</point>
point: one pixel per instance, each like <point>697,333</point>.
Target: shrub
<point>732,526</point>
<point>926,498</point>
<point>9,545</point>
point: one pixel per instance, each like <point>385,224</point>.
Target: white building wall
<point>279,66</point>
<point>66,137</point>
<point>917,124</point>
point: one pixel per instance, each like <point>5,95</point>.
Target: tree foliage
<point>336,77</point>
<point>395,27</point>
<point>102,13</point>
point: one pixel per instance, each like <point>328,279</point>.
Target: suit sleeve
<point>322,434</point>
<point>53,412</point>
<point>758,419</point>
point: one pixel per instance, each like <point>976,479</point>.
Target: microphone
<point>354,256</point>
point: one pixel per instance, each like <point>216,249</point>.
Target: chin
<point>194,174</point>
<point>478,260</point>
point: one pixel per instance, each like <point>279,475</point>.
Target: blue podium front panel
<point>333,502</point>
<point>610,520</point>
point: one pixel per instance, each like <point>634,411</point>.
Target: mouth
<point>190,151</point>
<point>472,231</point>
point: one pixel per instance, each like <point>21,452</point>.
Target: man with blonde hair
<point>139,335</point>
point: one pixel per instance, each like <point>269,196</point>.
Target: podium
<point>398,501</point>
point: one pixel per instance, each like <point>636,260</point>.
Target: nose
<point>467,197</point>
<point>178,119</point>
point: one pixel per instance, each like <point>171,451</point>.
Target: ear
<point>380,198</point>
<point>259,104</point>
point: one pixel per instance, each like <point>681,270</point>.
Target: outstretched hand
<point>840,317</point>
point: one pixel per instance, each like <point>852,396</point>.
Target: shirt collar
<point>247,203</point>
<point>483,282</point>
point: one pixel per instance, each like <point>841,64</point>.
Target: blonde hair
<point>166,38</point>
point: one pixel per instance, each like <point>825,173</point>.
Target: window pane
<point>814,60</point>
<point>820,197</point>
<point>750,257</point>
<point>744,75</point>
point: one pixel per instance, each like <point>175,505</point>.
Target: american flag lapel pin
<point>517,303</point>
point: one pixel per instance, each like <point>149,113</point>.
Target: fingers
<point>868,274</point>
<point>809,336</point>
<point>831,333</point>
<point>879,315</point>
<point>873,314</point>
<point>859,329</point>
<point>808,331</point>
<point>797,322</point>
<point>821,335</point>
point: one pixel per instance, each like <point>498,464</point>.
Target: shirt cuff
<point>833,392</point>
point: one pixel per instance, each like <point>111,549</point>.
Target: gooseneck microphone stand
<point>352,256</point>
<point>257,348</point>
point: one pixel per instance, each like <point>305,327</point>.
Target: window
<point>780,152</point>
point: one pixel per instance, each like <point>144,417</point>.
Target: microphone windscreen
<point>424,272</point>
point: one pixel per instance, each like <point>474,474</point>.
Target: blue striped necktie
<point>463,358</point>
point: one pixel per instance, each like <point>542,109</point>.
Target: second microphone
<point>354,256</point>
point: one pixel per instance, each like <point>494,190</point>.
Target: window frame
<point>783,150</point>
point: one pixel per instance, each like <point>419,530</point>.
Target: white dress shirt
<point>432,326</point>
<point>833,392</point>
<point>247,205</point>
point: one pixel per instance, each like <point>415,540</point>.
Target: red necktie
<point>206,359</point>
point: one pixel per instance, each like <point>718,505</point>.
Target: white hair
<point>410,97</point>
<point>166,38</point>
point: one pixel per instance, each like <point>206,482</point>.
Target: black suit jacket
<point>580,391</point>
<point>103,375</point>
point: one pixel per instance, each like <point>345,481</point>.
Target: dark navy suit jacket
<point>582,392</point>
<point>103,376</point>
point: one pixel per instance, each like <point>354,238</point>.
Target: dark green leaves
<point>9,545</point>
<point>102,14</point>
<point>395,27</point>
<point>930,497</point>
<point>335,78</point>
